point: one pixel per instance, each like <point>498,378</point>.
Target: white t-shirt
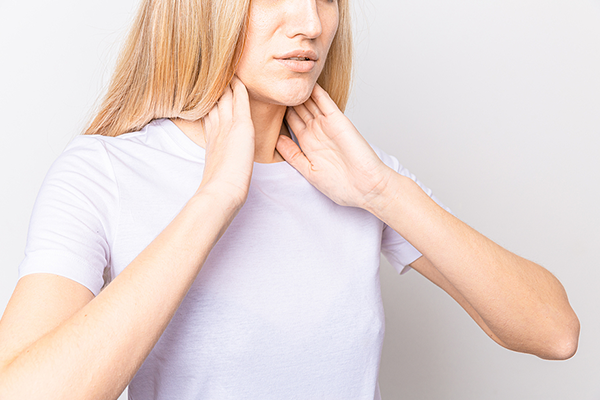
<point>288,303</point>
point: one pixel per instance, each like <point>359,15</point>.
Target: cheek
<point>255,49</point>
<point>251,62</point>
<point>330,20</point>
<point>332,27</point>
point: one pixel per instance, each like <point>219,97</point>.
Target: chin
<point>288,98</point>
<point>285,92</point>
<point>294,99</point>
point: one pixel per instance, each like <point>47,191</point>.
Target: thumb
<point>290,151</point>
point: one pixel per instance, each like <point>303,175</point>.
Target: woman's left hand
<point>334,158</point>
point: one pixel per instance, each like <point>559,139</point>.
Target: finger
<point>241,100</point>
<point>293,155</point>
<point>211,119</point>
<point>323,101</point>
<point>312,107</point>
<point>303,113</point>
<point>203,126</point>
<point>294,120</point>
<point>225,104</point>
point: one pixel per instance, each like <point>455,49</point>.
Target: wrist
<point>223,194</point>
<point>216,198</point>
<point>388,194</point>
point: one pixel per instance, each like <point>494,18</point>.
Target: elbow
<point>3,383</point>
<point>557,340</point>
<point>561,351</point>
<point>3,366</point>
<point>564,344</point>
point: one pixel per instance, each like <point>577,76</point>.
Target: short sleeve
<point>71,225</point>
<point>397,250</point>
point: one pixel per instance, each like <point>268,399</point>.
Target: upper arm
<point>40,303</point>
<point>73,220</point>
<point>428,270</point>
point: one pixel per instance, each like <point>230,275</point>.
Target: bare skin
<point>516,302</point>
<point>77,346</point>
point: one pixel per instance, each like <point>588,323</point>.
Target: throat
<point>265,151</point>
<point>268,125</point>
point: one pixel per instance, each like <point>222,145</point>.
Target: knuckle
<point>318,94</point>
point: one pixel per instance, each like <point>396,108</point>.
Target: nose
<point>303,19</point>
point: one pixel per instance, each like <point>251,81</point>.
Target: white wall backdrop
<point>495,105</point>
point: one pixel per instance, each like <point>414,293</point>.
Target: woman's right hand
<point>229,135</point>
<point>59,342</point>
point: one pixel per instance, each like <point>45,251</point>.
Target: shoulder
<point>85,169</point>
<point>158,139</point>
<point>82,156</point>
<point>100,143</point>
<point>96,152</point>
<point>82,177</point>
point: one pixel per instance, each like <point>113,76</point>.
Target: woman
<point>280,301</point>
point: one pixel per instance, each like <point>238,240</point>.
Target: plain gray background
<point>494,105</point>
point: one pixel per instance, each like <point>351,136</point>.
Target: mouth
<point>299,55</point>
<point>299,60</point>
<point>297,65</point>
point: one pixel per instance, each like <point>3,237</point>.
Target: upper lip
<point>311,55</point>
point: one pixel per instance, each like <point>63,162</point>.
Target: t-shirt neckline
<point>198,152</point>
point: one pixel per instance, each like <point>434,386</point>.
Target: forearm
<point>96,352</point>
<point>523,304</point>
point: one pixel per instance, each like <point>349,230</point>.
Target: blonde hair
<point>180,55</point>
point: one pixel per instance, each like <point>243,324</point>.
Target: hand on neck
<point>268,125</point>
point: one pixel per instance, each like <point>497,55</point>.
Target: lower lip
<point>297,66</point>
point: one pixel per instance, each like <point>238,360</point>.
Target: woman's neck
<point>268,125</point>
